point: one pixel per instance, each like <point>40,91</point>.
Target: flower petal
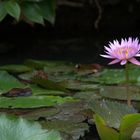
<point>108,49</point>
<point>134,61</point>
<point>114,61</point>
<point>123,62</point>
<point>106,56</point>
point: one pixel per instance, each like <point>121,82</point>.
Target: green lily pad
<point>27,76</point>
<point>8,82</point>
<point>48,84</point>
<point>111,112</point>
<point>41,91</point>
<point>36,114</point>
<point>75,85</point>
<point>87,96</point>
<point>21,129</point>
<point>38,64</point>
<point>33,101</point>
<point>73,111</point>
<point>15,68</point>
<point>113,76</point>
<point>120,92</point>
<point>74,130</point>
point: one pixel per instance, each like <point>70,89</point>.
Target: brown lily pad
<point>18,92</point>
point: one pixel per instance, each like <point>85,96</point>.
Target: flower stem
<point>127,85</point>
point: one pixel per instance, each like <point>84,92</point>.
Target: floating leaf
<point>113,76</point>
<point>17,92</point>
<point>73,111</point>
<point>7,82</point>
<point>76,85</point>
<point>41,64</point>
<point>15,68</point>
<point>33,101</point>
<point>120,92</point>
<point>48,84</point>
<point>74,130</point>
<point>87,96</point>
<point>37,114</point>
<point>41,91</point>
<point>21,129</point>
<point>111,112</point>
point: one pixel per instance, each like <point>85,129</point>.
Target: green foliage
<point>21,129</point>
<point>15,68</point>
<point>114,76</point>
<point>120,93</point>
<point>105,132</point>
<point>33,101</point>
<point>127,127</point>
<point>111,112</point>
<point>8,82</point>
<point>48,84</point>
<point>32,11</point>
<point>74,130</point>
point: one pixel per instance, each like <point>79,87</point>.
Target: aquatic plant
<point>12,128</point>
<point>124,52</point>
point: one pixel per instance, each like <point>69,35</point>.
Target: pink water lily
<point>123,52</point>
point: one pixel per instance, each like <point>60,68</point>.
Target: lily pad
<point>120,92</point>
<point>15,68</point>
<point>21,129</point>
<point>111,112</point>
<point>33,101</point>
<point>74,130</point>
<point>87,96</point>
<point>8,82</point>
<point>113,76</point>
<point>76,85</point>
<point>40,64</point>
<point>48,84</point>
<point>42,91</point>
<point>36,114</point>
<point>71,111</point>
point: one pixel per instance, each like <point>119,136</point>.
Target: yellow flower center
<point>124,52</point>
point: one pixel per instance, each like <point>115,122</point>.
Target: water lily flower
<point>124,51</point>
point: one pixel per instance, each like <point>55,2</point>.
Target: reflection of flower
<point>123,52</point>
